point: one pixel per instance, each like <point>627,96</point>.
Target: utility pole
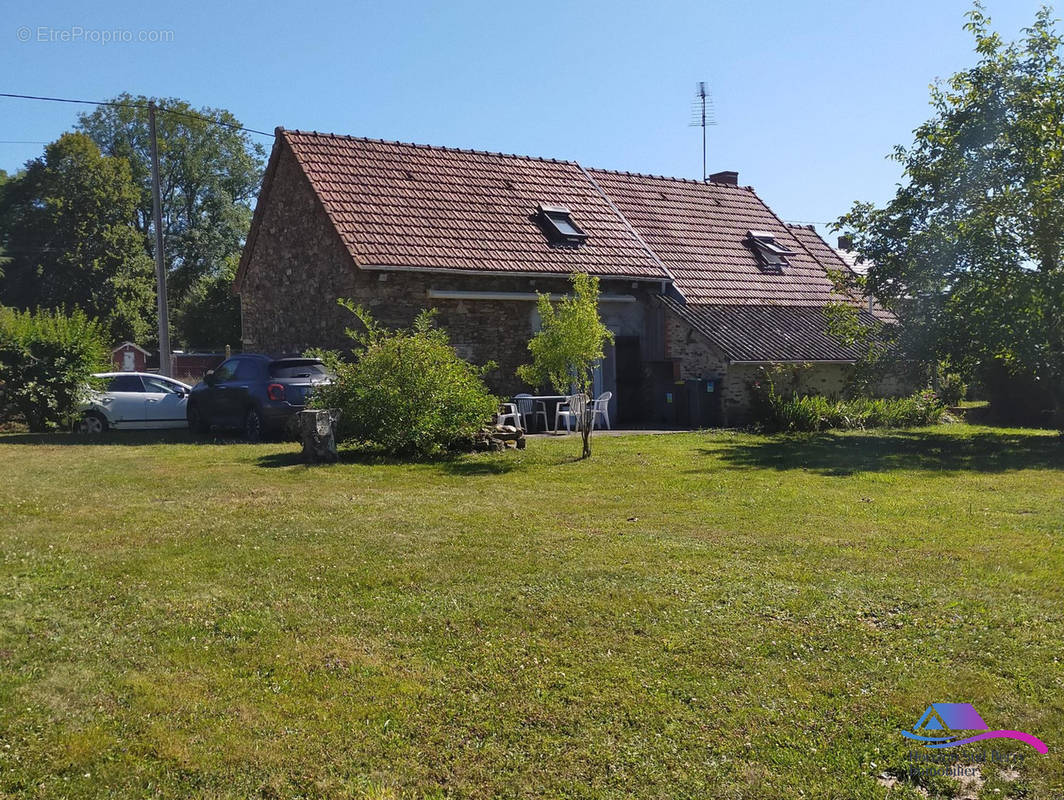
<point>160,267</point>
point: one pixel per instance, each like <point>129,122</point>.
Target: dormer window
<point>558,224</point>
<point>771,254</point>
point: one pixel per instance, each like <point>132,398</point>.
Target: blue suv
<point>255,393</point>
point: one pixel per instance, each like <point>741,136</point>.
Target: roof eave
<point>658,279</point>
<point>738,362</point>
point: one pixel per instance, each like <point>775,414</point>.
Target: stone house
<point>701,282</point>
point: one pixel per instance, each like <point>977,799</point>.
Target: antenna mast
<point>701,116</point>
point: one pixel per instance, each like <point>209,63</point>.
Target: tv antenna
<point>702,115</point>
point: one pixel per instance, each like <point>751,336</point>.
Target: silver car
<point>135,401</point>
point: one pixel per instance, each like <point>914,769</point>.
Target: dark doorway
<point>629,380</point>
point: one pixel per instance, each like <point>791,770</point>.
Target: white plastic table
<point>553,397</point>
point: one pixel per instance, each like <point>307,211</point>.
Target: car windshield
<point>297,368</point>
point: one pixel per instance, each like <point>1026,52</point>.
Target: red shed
<point>129,357</point>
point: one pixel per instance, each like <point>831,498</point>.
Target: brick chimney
<point>845,243</point>
<point>726,177</point>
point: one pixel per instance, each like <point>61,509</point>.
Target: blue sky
<point>810,97</point>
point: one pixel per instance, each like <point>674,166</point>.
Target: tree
<point>209,174</point>
<point>569,345</point>
<point>4,180</point>
<point>69,238</point>
<point>969,251</point>
<point>210,315</point>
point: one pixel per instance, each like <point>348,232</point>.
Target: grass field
<point>691,615</point>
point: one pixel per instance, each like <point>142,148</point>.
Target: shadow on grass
<point>128,438</point>
<point>485,464</point>
<point>846,454</point>
<point>458,464</point>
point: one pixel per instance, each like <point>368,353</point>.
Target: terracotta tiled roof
<point>414,206</point>
<point>762,333</point>
<point>857,264</point>
<point>419,207</point>
<point>698,231</point>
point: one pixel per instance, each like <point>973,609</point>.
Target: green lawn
<point>691,615</point>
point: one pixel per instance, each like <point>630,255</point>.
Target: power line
<point>193,115</point>
<point>63,100</point>
<point>807,222</point>
<point>160,267</point>
<point>143,106</point>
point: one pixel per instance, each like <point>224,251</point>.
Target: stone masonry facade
<point>299,267</point>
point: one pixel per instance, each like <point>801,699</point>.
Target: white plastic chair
<point>508,411</point>
<point>601,406</point>
<point>572,408</point>
<point>528,407</point>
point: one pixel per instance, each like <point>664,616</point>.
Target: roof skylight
<point>771,254</point>
<point>558,223</point>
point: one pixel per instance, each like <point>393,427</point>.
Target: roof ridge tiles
<point>422,146</point>
<point>673,178</point>
<point>501,154</point>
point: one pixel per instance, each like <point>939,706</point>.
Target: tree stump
<point>317,430</point>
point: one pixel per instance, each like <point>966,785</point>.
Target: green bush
<point>46,365</point>
<point>951,388</point>
<point>407,392</point>
<point>811,413</point>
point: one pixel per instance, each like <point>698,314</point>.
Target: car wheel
<point>253,425</point>
<point>92,423</point>
<point>196,422</point>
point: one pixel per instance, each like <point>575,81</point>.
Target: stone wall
<point>812,378</point>
<point>808,378</point>
<point>299,267</point>
<point>296,269</point>
<point>694,356</point>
